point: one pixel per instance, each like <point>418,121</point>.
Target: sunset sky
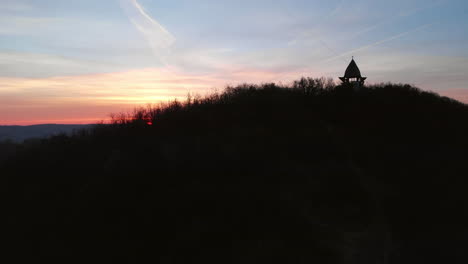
<point>70,61</point>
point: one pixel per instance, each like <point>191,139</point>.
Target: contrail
<point>400,15</point>
<point>159,39</point>
<point>348,53</point>
<point>421,8</point>
<point>322,20</point>
<point>330,49</point>
<point>337,8</point>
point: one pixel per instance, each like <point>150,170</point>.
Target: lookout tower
<point>353,76</point>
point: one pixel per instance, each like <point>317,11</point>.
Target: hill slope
<point>258,174</point>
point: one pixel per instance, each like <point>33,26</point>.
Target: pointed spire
<point>353,70</point>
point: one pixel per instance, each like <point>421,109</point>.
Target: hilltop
<point>306,173</point>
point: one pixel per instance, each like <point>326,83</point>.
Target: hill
<point>307,173</point>
<point>21,133</point>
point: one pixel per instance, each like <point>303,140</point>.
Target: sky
<point>67,61</point>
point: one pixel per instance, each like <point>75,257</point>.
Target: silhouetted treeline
<point>306,173</point>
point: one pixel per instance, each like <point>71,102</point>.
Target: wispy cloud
<point>35,65</point>
<point>158,37</point>
<point>24,25</point>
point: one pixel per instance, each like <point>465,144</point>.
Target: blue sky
<point>76,54</point>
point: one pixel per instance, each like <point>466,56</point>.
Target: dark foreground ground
<point>310,173</point>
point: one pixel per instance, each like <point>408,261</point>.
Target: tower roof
<point>353,70</point>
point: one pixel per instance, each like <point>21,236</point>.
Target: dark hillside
<point>310,173</point>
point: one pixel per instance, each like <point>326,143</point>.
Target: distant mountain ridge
<point>21,133</point>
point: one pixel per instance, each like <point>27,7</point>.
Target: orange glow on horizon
<point>92,98</point>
